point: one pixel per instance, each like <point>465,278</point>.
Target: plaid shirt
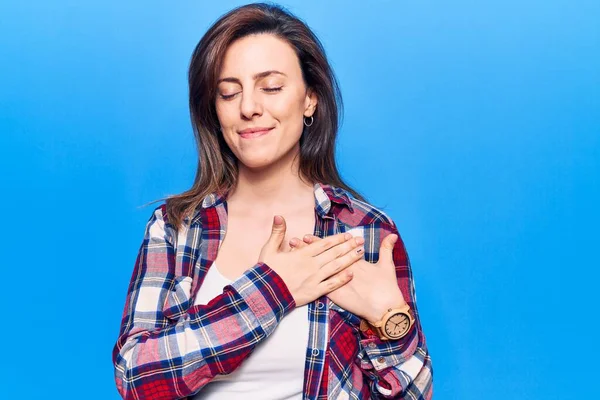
<point>169,348</point>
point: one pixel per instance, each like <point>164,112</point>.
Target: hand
<point>374,288</point>
<point>315,270</point>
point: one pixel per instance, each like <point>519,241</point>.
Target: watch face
<point>397,325</point>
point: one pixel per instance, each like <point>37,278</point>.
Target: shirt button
<point>381,360</point>
<point>320,305</point>
<point>372,345</point>
<point>315,352</point>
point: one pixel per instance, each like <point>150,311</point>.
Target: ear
<point>310,102</point>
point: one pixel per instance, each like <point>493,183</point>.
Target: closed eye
<point>228,96</point>
<point>268,90</point>
<point>273,89</point>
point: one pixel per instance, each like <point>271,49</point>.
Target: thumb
<point>277,233</point>
<point>386,251</point>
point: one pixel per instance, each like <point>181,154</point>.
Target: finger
<point>310,238</point>
<point>296,243</point>
<point>341,263</point>
<point>335,282</point>
<point>386,250</point>
<point>320,246</point>
<point>339,250</point>
<point>277,234</point>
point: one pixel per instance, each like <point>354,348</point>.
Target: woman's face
<point>262,100</point>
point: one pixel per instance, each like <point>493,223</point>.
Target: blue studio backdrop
<point>475,124</point>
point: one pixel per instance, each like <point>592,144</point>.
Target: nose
<point>250,105</point>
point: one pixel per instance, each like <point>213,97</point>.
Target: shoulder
<point>159,215</point>
<point>362,213</point>
<point>370,214</point>
<point>159,226</point>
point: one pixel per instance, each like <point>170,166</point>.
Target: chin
<point>265,157</point>
<point>256,162</point>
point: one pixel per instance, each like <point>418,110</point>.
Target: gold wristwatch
<point>394,325</point>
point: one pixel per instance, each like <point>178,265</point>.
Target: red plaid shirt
<point>169,348</point>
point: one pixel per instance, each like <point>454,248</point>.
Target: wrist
<point>379,311</point>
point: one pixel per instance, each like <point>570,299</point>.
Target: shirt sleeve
<point>162,354</point>
<point>398,369</point>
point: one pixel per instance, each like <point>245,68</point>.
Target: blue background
<point>476,125</point>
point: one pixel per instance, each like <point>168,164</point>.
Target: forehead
<point>258,53</point>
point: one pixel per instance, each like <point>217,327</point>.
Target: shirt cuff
<point>266,294</point>
<point>382,354</point>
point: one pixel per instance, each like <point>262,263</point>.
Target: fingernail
<point>306,237</point>
<point>278,220</point>
<point>359,240</point>
<point>347,236</point>
<point>293,242</point>
<point>360,250</point>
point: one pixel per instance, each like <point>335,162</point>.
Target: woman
<point>228,300</point>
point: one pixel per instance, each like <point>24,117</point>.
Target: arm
<point>157,357</point>
<point>399,369</point>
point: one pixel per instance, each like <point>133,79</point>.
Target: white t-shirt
<point>275,369</point>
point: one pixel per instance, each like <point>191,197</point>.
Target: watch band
<point>377,328</point>
<point>367,329</point>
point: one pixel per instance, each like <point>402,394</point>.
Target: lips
<point>251,133</point>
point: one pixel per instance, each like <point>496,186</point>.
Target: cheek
<point>288,106</point>
<point>232,139</point>
<point>225,114</point>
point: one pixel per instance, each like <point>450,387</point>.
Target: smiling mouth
<point>254,133</point>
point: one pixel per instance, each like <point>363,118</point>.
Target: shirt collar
<point>327,194</point>
<point>324,196</point>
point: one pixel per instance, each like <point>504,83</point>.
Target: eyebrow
<point>259,75</point>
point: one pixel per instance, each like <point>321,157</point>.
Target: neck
<point>272,187</point>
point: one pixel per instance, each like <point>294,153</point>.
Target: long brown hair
<point>217,169</point>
